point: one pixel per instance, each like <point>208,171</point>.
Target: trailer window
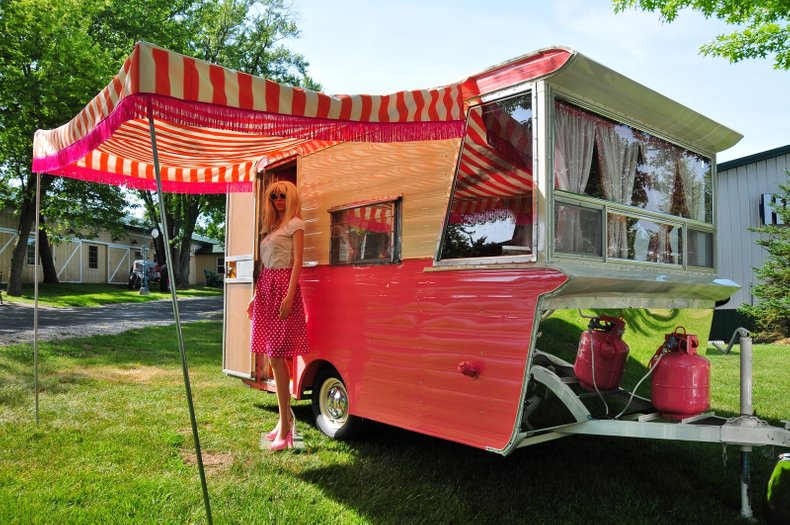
<point>601,158</point>
<point>644,240</point>
<point>578,230</point>
<point>490,213</point>
<point>651,195</point>
<point>365,234</point>
<point>700,248</point>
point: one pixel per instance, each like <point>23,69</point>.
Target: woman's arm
<point>296,270</point>
<point>250,305</point>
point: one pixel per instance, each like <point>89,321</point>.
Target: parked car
<point>136,273</point>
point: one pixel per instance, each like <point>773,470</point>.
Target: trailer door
<point>237,360</point>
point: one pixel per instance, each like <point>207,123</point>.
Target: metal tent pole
<point>35,293</point>
<point>174,299</point>
<point>746,410</point>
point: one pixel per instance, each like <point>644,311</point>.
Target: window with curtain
<point>635,180</point>
<point>365,234</point>
<point>491,211</point>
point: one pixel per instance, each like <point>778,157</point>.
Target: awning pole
<point>35,293</point>
<point>174,299</point>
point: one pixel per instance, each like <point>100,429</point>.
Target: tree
<point>763,31</point>
<point>57,54</point>
<point>772,312</point>
<point>49,67</point>
<point>245,35</point>
<point>212,222</point>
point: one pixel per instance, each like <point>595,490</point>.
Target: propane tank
<point>602,353</point>
<point>681,378</point>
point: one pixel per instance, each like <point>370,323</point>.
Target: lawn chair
<point>212,279</point>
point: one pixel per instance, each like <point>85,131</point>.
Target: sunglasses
<point>275,196</point>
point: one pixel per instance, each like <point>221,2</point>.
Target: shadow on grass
<point>398,476</point>
<point>403,477</point>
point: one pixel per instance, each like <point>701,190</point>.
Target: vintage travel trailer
<point>433,267</point>
<point>454,236</point>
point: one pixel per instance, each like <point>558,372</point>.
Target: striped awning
<point>494,180</point>
<point>212,123</point>
<point>497,157</point>
<point>375,218</point>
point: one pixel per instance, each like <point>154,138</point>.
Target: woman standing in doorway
<point>277,309</point>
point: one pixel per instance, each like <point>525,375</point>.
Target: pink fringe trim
<point>245,121</point>
<point>136,183</point>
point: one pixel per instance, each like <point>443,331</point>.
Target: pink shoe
<point>271,436</point>
<point>287,442</point>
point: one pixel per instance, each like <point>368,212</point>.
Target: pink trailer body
<point>397,335</point>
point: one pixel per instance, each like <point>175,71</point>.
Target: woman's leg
<point>282,380</point>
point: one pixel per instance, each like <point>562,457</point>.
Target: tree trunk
<point>183,261</point>
<point>45,253</point>
<point>19,255</point>
<point>27,216</point>
<point>159,249</point>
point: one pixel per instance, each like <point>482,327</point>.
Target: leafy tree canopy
<point>49,66</point>
<point>55,55</point>
<point>764,26</point>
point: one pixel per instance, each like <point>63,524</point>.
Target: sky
<point>383,46</point>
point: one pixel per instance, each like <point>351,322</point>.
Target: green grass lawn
<point>114,446</point>
<point>68,295</point>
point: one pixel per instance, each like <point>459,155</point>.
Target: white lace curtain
<point>691,183</point>
<point>574,141</point>
<point>618,154</point>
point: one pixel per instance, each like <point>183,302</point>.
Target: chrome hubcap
<point>335,401</point>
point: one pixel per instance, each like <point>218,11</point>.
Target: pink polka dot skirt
<point>271,335</point>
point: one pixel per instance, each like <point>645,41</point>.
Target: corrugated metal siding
<point>739,190</point>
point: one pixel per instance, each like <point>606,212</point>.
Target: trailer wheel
<point>330,406</point>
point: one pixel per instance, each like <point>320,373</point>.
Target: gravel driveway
<point>16,320</point>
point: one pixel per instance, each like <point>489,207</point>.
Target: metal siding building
<point>740,186</point>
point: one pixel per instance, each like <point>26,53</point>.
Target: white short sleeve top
<point>277,247</point>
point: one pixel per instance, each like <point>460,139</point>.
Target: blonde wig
<point>293,205</point>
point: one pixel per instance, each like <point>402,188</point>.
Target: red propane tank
<point>681,378</point>
<point>602,353</point>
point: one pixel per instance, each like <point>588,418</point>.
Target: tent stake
<point>174,299</point>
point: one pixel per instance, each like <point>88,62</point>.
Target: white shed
<point>745,187</point>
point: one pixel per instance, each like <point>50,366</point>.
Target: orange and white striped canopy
<point>212,123</point>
